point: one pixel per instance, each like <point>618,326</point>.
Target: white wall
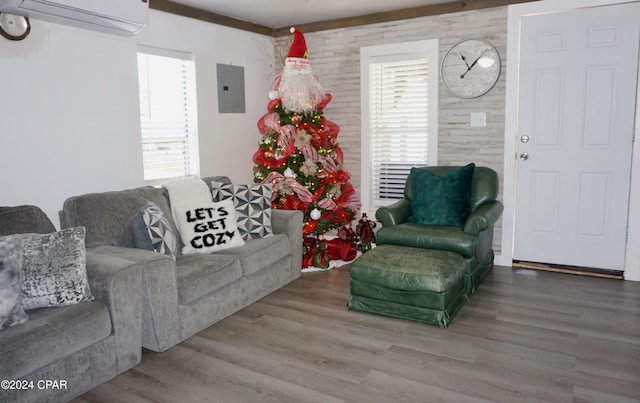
<point>69,116</point>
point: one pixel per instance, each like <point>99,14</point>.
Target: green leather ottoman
<point>422,285</point>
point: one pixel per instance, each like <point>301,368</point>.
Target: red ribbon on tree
<point>325,101</point>
<point>309,227</point>
<point>273,104</point>
<point>338,177</point>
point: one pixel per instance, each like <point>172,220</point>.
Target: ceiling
<point>284,13</point>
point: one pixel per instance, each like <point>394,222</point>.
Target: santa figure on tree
<point>299,155</point>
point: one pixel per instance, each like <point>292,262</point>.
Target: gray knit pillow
<point>54,269</point>
<point>11,311</point>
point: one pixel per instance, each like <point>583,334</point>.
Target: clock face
<point>470,68</point>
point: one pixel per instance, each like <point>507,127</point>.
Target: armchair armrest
<point>394,214</point>
<point>117,282</point>
<point>289,222</point>
<point>159,292</point>
<point>484,216</point>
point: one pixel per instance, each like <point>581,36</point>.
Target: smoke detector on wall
<point>14,27</point>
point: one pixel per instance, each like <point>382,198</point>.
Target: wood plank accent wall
<point>335,58</point>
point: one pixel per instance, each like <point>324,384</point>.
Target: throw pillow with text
<point>208,227</point>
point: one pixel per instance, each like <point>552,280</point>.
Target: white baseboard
<point>501,260</point>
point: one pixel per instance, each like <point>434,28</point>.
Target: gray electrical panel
<point>230,88</point>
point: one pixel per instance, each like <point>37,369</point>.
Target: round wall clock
<point>470,68</point>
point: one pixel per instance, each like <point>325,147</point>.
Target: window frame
<point>399,51</point>
<point>190,135</point>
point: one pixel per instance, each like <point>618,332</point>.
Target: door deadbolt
<point>524,139</point>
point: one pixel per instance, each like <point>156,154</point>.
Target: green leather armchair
<point>473,241</point>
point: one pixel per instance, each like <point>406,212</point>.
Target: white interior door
<point>576,104</point>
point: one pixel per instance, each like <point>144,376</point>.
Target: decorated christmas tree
<point>299,152</point>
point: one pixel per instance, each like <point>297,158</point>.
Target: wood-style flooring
<point>523,336</point>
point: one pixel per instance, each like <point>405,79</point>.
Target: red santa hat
<point>298,46</point>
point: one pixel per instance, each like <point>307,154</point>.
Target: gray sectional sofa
<point>141,298</point>
<point>80,346</point>
<point>183,297</point>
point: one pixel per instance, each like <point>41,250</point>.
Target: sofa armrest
<point>289,222</point>
<point>394,214</point>
<point>159,291</point>
<point>117,282</point>
<point>485,216</point>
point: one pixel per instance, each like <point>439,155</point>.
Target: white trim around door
<point>515,13</point>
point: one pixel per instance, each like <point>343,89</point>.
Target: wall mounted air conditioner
<point>123,17</point>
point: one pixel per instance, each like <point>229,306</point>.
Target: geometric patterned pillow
<point>54,271</point>
<point>221,191</point>
<point>151,231</point>
<point>253,207</point>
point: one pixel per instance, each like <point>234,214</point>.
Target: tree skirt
<point>332,264</point>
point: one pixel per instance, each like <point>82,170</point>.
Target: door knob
<point>524,156</point>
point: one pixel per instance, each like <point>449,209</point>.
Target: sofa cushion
<point>257,254</point>
<point>151,231</point>
<point>445,238</point>
<point>441,200</point>
<point>253,207</point>
<point>201,274</point>
<point>54,271</point>
<point>410,269</point>
<point>207,226</point>
<point>11,311</point>
<point>51,334</point>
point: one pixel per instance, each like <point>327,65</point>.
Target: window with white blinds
<point>401,117</point>
<point>168,114</point>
